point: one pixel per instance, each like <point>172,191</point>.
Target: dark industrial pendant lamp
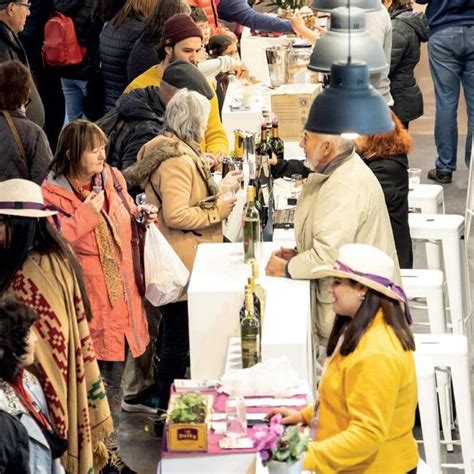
<point>349,106</point>
<point>332,46</point>
<point>329,5</point>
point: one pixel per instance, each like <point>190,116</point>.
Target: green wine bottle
<point>249,334</point>
<point>251,226</point>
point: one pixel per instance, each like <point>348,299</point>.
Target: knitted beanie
<point>177,28</point>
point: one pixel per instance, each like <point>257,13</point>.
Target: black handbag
<point>57,444</point>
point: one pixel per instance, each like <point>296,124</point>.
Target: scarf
<point>65,361</point>
<point>108,243</point>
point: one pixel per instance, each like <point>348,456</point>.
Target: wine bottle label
<point>250,350</point>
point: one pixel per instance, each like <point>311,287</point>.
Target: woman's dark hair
<point>15,85</point>
<point>16,320</point>
<point>163,10</point>
<point>400,5</point>
<point>141,8</point>
<point>75,138</point>
<point>105,10</point>
<point>218,44</point>
<point>354,328</point>
<point>26,234</point>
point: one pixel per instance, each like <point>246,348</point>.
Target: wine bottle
<point>276,143</point>
<point>250,286</point>
<point>249,334</point>
<point>259,291</point>
<point>251,226</point>
<point>264,154</point>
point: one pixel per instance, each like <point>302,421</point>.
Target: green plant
<point>188,408</point>
<point>278,443</point>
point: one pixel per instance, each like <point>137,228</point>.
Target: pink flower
<point>265,455</point>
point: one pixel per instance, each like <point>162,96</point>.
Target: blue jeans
<point>451,53</point>
<point>74,93</point>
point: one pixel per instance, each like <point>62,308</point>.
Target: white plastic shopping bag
<point>165,274</point>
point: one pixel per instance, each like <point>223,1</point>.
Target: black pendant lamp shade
<point>329,5</point>
<point>334,45</point>
<point>350,105</point>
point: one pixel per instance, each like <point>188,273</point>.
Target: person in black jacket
<point>13,16</point>
<point>141,112</point>
<point>74,78</point>
<point>47,78</point>
<point>14,448</point>
<point>144,53</point>
<point>116,42</point>
<point>386,155</point>
<point>409,29</point>
<point>24,148</point>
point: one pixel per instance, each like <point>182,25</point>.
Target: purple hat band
<point>35,206</point>
<point>389,284</point>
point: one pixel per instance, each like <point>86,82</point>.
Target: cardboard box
<point>291,103</point>
<point>188,437</point>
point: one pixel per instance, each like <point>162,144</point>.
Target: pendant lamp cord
<point>349,57</point>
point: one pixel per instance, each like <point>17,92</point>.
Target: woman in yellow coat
<point>363,419</point>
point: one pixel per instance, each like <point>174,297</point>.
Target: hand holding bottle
<point>95,201</point>
<point>232,179</point>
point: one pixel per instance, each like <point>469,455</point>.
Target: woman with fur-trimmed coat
<point>177,179</point>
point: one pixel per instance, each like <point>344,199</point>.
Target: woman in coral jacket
<point>100,232</point>
<point>363,419</point>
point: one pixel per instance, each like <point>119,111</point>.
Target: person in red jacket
<point>239,11</point>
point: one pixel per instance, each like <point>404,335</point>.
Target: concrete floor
<point>140,448</point>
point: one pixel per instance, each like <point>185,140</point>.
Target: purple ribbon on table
<point>35,206</point>
<point>383,281</point>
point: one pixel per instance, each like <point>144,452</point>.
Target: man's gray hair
<point>187,114</point>
<point>341,145</point>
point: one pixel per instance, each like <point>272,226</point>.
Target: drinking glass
<point>413,178</point>
<point>296,184</point>
<point>140,200</point>
<point>236,418</point>
<point>239,166</point>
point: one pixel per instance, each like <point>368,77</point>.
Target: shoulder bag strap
<point>118,187</point>
<point>15,134</point>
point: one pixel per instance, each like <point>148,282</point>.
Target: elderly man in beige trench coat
<point>341,203</point>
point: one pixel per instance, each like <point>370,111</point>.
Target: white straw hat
<point>20,197</point>
<point>367,265</point>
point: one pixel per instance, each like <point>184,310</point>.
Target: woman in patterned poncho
<point>40,270</point>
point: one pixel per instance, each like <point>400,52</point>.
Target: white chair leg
<point>462,395</point>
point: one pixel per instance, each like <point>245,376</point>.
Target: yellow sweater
<point>215,138</point>
<point>366,416</point>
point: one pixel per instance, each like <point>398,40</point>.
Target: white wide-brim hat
<point>20,197</point>
<point>370,267</point>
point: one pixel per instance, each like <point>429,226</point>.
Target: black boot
<point>115,465</point>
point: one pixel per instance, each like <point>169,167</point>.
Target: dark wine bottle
<point>250,334</point>
<point>276,143</point>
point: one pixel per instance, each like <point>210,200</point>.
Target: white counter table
<point>215,296</point>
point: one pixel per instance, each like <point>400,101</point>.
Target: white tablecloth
<point>215,296</point>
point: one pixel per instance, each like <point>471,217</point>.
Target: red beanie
<point>177,28</point>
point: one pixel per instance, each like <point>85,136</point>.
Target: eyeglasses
<point>23,4</point>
